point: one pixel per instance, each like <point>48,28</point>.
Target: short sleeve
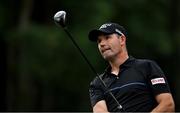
<point>96,92</point>
<point>156,79</point>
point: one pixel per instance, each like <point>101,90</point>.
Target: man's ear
<point>123,40</point>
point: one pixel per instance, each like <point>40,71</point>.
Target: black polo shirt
<point>135,87</point>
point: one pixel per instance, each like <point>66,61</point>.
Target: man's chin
<point>107,57</point>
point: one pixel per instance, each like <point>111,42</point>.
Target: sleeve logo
<point>158,81</point>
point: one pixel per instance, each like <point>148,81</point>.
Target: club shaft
<point>81,52</point>
<point>92,68</point>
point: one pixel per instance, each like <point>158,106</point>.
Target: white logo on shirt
<point>157,81</point>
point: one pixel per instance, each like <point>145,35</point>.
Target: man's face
<point>109,45</point>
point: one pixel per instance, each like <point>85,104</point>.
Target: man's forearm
<point>100,107</point>
<point>164,107</point>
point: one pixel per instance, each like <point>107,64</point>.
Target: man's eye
<point>107,37</point>
<point>98,41</point>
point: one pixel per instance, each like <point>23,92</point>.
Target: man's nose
<point>103,42</point>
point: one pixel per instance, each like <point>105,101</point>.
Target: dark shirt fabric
<point>135,87</point>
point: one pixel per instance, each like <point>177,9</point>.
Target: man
<point>139,85</point>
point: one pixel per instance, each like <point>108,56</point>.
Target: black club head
<point>60,18</point>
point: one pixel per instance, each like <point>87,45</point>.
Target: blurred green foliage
<point>45,72</point>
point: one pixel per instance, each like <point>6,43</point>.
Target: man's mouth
<point>105,49</point>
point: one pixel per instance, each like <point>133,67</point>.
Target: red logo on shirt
<point>157,81</point>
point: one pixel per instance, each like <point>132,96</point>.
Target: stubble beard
<point>110,56</point>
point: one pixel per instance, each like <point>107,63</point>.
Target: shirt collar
<point>127,63</point>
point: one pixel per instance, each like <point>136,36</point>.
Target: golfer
<point>139,85</point>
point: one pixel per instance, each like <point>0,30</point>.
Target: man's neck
<point>115,64</point>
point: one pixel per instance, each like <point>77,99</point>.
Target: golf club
<point>60,20</point>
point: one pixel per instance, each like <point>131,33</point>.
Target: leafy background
<point>41,70</point>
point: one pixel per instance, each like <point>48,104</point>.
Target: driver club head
<point>60,18</point>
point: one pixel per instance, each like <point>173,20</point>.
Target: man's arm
<point>100,107</point>
<point>165,103</point>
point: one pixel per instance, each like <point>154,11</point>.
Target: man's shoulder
<point>140,61</point>
<point>96,80</point>
<point>144,64</point>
